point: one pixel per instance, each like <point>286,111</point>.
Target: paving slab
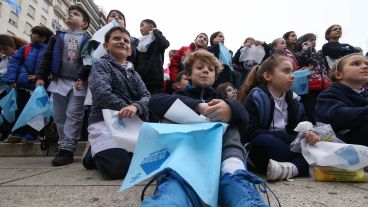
<point>55,196</point>
<point>304,192</point>
<point>33,149</point>
<point>34,182</point>
<point>9,175</point>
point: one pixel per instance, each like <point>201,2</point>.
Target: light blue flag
<point>225,56</point>
<point>9,106</point>
<point>192,150</point>
<point>14,5</point>
<point>37,111</point>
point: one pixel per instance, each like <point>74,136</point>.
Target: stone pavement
<point>32,181</point>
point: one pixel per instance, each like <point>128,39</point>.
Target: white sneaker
<point>279,170</point>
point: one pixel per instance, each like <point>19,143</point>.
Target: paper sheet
<point>182,114</point>
<point>124,131</point>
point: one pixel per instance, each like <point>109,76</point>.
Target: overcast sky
<point>181,21</point>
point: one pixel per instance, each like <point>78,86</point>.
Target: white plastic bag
<point>330,151</point>
<point>343,156</point>
<point>325,131</point>
<point>255,53</point>
<point>145,41</point>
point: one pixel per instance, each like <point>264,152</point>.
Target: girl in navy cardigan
<point>274,112</point>
<point>344,105</point>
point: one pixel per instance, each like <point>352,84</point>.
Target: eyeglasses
<point>232,90</point>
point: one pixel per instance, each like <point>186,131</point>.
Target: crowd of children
<point>253,96</point>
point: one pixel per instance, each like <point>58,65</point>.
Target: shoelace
<point>193,197</point>
<point>261,183</point>
<point>287,171</point>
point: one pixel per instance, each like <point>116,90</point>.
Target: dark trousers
<point>22,100</point>
<point>309,102</point>
<point>265,146</point>
<point>113,163</point>
<point>357,135</point>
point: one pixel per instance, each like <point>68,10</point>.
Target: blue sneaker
<point>30,138</point>
<point>238,190</point>
<point>171,190</point>
<point>87,159</point>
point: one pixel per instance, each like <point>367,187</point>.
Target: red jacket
<point>178,59</point>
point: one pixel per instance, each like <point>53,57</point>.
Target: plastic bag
<point>325,131</point>
<point>162,146</point>
<point>330,151</point>
<point>225,56</point>
<point>99,36</point>
<point>37,112</point>
<point>145,42</point>
<point>254,53</point>
<point>8,105</point>
<point>301,84</point>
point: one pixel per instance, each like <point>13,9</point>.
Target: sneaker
<point>171,190</point>
<point>30,138</point>
<point>279,170</point>
<point>12,138</point>
<point>87,160</point>
<point>64,157</point>
<point>238,189</point>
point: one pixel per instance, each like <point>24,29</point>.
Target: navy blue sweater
<point>261,110</point>
<point>160,103</point>
<point>344,109</point>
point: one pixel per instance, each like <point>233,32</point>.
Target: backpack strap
<point>27,49</point>
<point>262,101</point>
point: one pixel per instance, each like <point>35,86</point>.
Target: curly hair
<point>206,57</point>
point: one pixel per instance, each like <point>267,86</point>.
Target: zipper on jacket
<point>201,96</point>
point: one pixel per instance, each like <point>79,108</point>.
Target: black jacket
<point>160,103</point>
<point>337,50</point>
<point>149,65</point>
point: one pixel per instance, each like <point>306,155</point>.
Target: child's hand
<point>13,85</point>
<point>201,107</point>
<point>32,78</point>
<point>79,85</point>
<point>128,111</point>
<point>218,110</point>
<point>312,138</point>
<point>258,42</point>
<point>40,82</point>
<point>248,44</point>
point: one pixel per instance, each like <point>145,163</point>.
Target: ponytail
<point>255,76</point>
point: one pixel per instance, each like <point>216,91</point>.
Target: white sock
<point>232,164</point>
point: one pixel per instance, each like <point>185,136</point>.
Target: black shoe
<point>64,157</point>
